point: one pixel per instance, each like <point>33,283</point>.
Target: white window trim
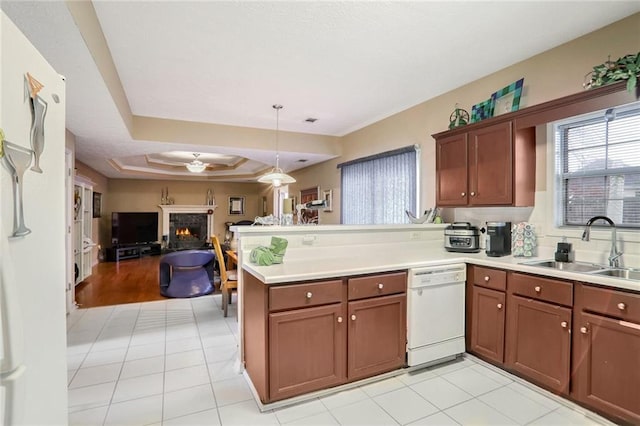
<point>553,208</point>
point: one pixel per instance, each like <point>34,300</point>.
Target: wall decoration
<point>328,198</point>
<point>16,160</point>
<point>459,117</point>
<point>482,110</point>
<point>236,205</point>
<point>625,68</point>
<point>211,198</point>
<point>38,108</point>
<point>97,204</point>
<point>507,99</point>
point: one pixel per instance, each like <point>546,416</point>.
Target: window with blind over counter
<point>598,167</point>
<point>378,189</point>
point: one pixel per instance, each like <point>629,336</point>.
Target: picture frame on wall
<point>327,195</point>
<point>236,205</point>
<point>97,204</point>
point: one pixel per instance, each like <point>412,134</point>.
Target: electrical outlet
<point>308,240</point>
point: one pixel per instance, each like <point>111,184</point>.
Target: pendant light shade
<point>196,166</point>
<point>277,176</point>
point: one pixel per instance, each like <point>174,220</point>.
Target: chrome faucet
<point>614,254</point>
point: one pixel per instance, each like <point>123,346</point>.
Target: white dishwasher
<point>435,313</point>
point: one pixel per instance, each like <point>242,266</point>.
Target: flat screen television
<point>134,227</point>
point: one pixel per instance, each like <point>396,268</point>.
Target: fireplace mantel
<point>167,209</point>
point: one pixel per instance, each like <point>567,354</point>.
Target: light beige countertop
<point>310,264</point>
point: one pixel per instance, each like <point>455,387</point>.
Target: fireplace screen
<point>187,230</point>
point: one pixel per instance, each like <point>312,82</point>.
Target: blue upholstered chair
<point>187,273</point>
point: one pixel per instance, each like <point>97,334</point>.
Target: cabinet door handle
<point>339,319</point>
<point>622,306</point>
<point>463,194</point>
<point>380,286</point>
<point>487,278</point>
<point>353,317</point>
<point>584,330</point>
<point>564,324</point>
<point>499,305</point>
<point>473,194</point>
<point>538,289</point>
<point>309,294</point>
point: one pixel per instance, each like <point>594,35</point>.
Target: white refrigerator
<point>33,370</point>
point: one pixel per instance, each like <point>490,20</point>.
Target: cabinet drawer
<point>304,295</point>
<point>555,291</point>
<point>490,278</point>
<point>377,285</point>
<point>613,303</point>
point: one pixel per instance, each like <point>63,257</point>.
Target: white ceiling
<point>346,63</point>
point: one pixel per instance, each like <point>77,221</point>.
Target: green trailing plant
<point>625,68</point>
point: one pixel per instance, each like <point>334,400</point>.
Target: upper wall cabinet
<point>488,166</point>
<point>492,163</point>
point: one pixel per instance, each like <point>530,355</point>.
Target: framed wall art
<point>236,205</point>
<point>507,99</point>
<point>482,110</point>
<point>97,204</point>
<point>328,198</point>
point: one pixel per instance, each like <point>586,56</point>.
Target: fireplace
<point>186,227</point>
<point>187,231</point>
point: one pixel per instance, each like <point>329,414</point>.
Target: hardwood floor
<point>127,281</point>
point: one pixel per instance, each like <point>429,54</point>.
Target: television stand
<point>116,254</point>
<point>126,253</point>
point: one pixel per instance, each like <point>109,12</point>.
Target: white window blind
<point>599,167</point>
<point>378,189</point>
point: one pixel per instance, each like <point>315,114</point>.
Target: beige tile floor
<point>171,363</point>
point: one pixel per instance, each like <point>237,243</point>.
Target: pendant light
<point>196,166</point>
<point>277,177</point>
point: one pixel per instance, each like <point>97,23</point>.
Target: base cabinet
<point>377,340</point>
<point>309,336</point>
<point>606,352</point>
<point>307,350</point>
<point>487,333</point>
<point>539,342</point>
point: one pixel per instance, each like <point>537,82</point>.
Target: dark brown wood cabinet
<point>377,335</point>
<point>485,312</point>
<point>606,351</point>
<point>306,350</point>
<point>487,332</point>
<point>538,340</point>
<point>452,170</point>
<point>309,336</point>
<point>488,166</point>
<point>491,165</point>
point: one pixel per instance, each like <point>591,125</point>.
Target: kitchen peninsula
<point>332,255</point>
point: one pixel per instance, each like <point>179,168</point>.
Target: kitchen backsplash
<point>596,250</point>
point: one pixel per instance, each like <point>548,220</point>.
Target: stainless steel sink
<point>629,274</point>
<point>566,266</point>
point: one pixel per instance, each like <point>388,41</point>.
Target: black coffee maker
<point>498,239</point>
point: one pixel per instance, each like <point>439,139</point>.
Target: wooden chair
<point>228,278</point>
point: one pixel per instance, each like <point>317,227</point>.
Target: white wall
<point>36,262</point>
